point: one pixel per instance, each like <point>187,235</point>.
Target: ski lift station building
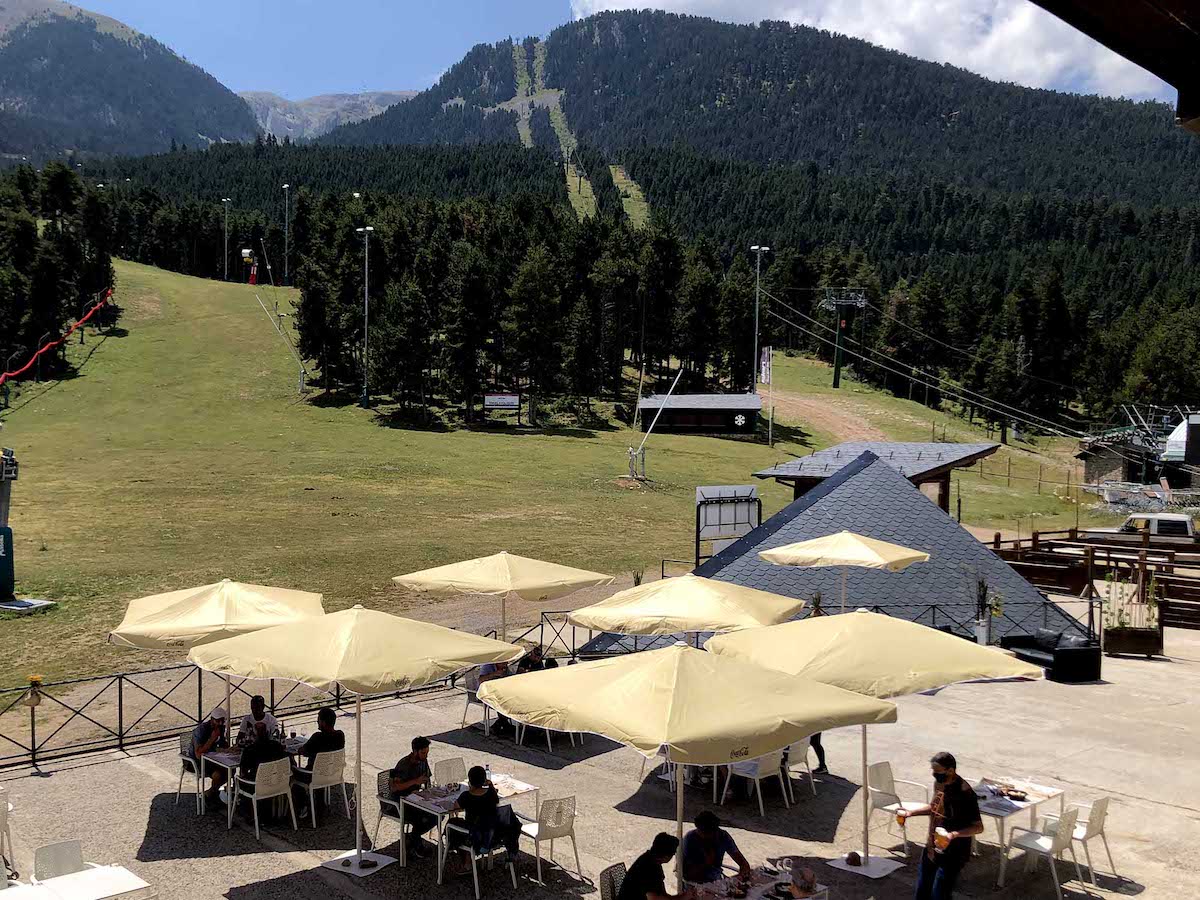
<point>711,413</point>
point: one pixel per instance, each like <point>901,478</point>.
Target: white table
<point>762,887</point>
<point>1001,809</point>
<point>439,802</point>
<point>93,883</point>
<point>229,758</point>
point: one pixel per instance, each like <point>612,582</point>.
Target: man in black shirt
<point>954,820</point>
<point>411,773</point>
<point>264,749</point>
<point>645,879</point>
<point>325,740</point>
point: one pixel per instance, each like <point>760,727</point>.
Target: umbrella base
<point>348,863</point>
<point>875,867</point>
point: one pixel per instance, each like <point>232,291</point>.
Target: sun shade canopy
<point>845,549</point>
<point>179,620</point>
<point>870,654</point>
<point>687,603</point>
<point>363,650</point>
<point>503,573</point>
<point>702,709</point>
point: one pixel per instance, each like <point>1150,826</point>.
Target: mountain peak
<point>314,116</point>
<point>14,13</point>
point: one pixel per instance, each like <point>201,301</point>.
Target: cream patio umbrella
<point>697,708</point>
<point>181,620</point>
<point>502,574</point>
<point>843,550</point>
<point>364,651</point>
<point>874,655</point>
<point>689,603</point>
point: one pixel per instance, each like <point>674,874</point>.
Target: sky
<point>298,48</point>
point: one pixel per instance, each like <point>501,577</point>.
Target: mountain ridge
<point>72,81</point>
<point>312,117</point>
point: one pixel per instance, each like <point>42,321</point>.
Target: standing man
<point>645,879</point>
<point>411,773</point>
<point>209,735</point>
<point>953,820</point>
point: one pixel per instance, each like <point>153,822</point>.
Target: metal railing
<point>116,712</point>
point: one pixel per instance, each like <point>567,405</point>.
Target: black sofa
<point>1066,656</point>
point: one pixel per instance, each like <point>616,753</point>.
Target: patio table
<point>762,887</point>
<point>92,883</point>
<point>994,805</point>
<point>439,802</point>
<point>229,758</point>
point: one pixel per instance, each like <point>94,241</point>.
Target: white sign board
<point>727,511</point>
<point>501,401</point>
<point>764,366</point>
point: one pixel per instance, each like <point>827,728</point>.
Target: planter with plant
<point>1131,624</point>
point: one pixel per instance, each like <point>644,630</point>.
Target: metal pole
<point>286,219</point>
<point>837,353</point>
<point>679,823</point>
<point>120,712</point>
<point>866,795</point>
<point>366,233</point>
<point>757,295</point>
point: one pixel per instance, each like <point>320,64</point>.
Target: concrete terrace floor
<point>1132,737</point>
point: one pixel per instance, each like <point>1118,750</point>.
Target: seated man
<point>209,735</point>
<point>705,848</point>
<point>489,825</point>
<point>258,713</point>
<point>531,661</point>
<point>326,739</point>
<point>411,773</point>
<point>645,879</point>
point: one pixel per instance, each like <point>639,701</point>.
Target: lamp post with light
<point>366,231</point>
<point>286,218</point>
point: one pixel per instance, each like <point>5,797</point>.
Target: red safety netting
<point>52,344</point>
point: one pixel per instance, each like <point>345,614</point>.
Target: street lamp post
<point>758,251</point>
<point>366,232</point>
<point>286,217</point>
<point>225,201</point>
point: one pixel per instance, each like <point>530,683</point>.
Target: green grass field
<point>580,193</point>
<point>181,454</point>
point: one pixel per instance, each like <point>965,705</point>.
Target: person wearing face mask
<point>953,820</point>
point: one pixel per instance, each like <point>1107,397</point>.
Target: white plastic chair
<point>328,772</point>
<point>189,766</point>
<point>471,692</point>
<point>756,770</point>
<point>556,819</point>
<point>1042,842</point>
<point>54,860</point>
<point>797,757</point>
<point>881,787</point>
<point>611,880</point>
<point>450,771</point>
<point>1088,824</point>
<point>5,829</point>
<point>273,779</point>
<point>388,808</point>
<point>460,827</point>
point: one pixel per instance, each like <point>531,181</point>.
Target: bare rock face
<point>306,119</point>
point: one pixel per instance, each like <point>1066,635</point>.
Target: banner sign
<point>764,366</point>
<point>501,401</point>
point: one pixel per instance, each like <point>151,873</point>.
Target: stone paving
<point>1132,737</point>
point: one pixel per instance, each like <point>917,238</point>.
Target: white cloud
<point>1006,40</point>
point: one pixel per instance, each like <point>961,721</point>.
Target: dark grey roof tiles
<point>871,498</point>
<point>912,460</point>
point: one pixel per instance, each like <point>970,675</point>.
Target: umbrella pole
<point>866,792</point>
<point>228,710</point>
<point>503,636</point>
<point>679,824</point>
<point>843,588</point>
<point>358,780</point>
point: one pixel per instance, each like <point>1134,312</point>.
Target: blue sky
<point>298,48</point>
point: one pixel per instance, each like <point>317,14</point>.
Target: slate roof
<point>869,497</point>
<point>703,401</point>
<point>912,460</point>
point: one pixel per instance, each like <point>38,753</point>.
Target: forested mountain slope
<point>781,93</point>
<point>71,81</point>
<point>459,109</point>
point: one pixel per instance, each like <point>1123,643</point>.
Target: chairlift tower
<point>8,474</point>
<point>838,300</point>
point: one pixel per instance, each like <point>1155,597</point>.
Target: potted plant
<point>1131,624</point>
